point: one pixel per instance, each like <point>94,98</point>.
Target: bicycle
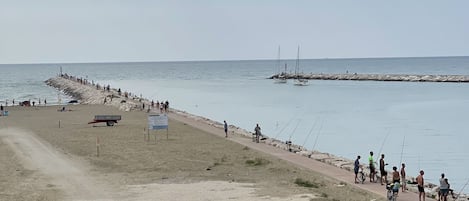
<point>361,175</point>
<point>375,176</point>
<point>256,137</point>
<point>392,191</point>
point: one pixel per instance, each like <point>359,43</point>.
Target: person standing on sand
<point>420,187</point>
<point>372,167</point>
<point>356,167</point>
<point>382,170</point>
<point>403,177</point>
<point>226,128</point>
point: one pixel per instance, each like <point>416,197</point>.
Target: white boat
<point>280,79</point>
<point>298,80</point>
<point>301,82</point>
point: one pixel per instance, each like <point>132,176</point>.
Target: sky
<point>68,31</point>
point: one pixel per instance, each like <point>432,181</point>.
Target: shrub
<point>257,162</point>
<point>306,183</point>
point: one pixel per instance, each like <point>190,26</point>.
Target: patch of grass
<point>324,195</point>
<point>224,159</point>
<point>306,183</point>
<point>257,162</point>
<point>246,148</point>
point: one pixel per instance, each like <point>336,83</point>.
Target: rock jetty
<point>88,93</point>
<point>376,77</point>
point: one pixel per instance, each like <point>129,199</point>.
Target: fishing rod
<point>310,131</point>
<point>462,189</point>
<point>291,135</point>
<point>288,123</point>
<point>293,132</point>
<point>317,136</point>
<point>402,151</point>
<point>382,144</point>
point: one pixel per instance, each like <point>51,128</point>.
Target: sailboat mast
<point>278,61</point>
<point>297,64</point>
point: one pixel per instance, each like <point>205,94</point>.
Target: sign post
<point>158,122</point>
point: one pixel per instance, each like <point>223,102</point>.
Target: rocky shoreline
<point>89,93</point>
<point>375,77</point>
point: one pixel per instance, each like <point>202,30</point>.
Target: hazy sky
<point>43,31</point>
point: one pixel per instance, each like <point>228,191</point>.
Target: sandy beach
<point>42,161</point>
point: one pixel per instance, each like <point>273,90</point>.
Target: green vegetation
<point>306,183</point>
<point>257,162</point>
<point>324,195</point>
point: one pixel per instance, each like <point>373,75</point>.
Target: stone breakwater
<point>376,77</point>
<point>90,94</point>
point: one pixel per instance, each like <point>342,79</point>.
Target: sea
<point>422,124</point>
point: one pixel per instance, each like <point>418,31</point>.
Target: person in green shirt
<point>372,167</point>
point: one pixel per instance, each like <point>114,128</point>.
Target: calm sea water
<point>421,124</point>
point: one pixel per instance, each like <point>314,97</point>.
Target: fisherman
<point>403,177</point>
<point>420,183</point>
<point>356,167</point>
<point>382,170</point>
<point>372,167</point>
<point>395,175</point>
<point>225,126</point>
<point>257,131</point>
<point>444,188</point>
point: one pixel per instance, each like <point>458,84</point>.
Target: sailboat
<point>299,81</point>
<point>280,79</point>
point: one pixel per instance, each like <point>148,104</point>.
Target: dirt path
<point>73,179</point>
<point>60,170</point>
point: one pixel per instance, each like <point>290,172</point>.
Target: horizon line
<point>228,60</point>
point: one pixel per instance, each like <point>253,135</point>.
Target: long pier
<point>376,77</point>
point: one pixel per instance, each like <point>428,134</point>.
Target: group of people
<point>256,135</point>
<point>162,106</point>
<point>25,103</point>
<point>399,178</point>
